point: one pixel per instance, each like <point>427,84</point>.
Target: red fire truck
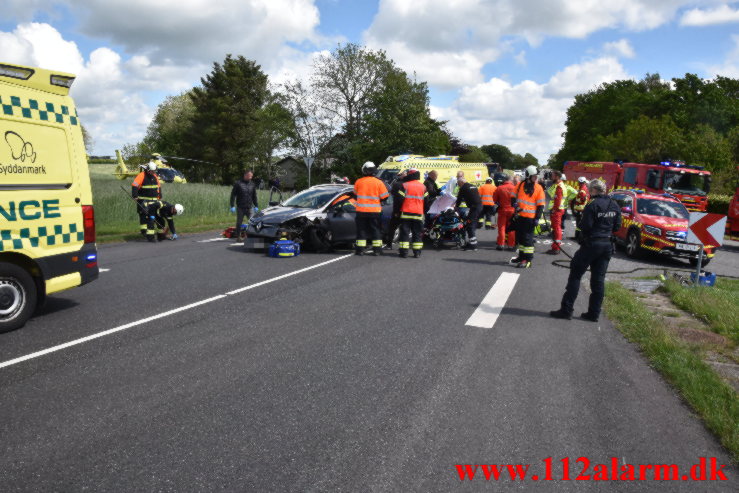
<point>689,184</point>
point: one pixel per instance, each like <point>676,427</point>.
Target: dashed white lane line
<point>489,309</point>
<point>120,328</point>
<point>104,270</point>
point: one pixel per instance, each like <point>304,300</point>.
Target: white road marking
<point>161,315</point>
<point>104,270</point>
<point>489,309</point>
<point>214,239</point>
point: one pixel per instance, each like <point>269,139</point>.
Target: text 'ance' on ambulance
<point>47,223</point>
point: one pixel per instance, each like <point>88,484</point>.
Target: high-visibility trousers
<point>504,215</point>
<point>557,229</point>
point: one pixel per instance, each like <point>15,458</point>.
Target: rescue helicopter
<point>166,172</point>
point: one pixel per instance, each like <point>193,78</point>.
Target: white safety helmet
<point>531,171</point>
<point>179,209</point>
<point>563,176</point>
<point>582,179</point>
<point>369,168</point>
<point>152,166</point>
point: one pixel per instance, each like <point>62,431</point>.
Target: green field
<point>206,206</point>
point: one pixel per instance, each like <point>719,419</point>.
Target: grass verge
<point>206,206</point>
<point>715,401</point>
<point>717,306</point>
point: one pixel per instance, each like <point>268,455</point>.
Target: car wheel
<point>633,244</point>
<point>17,296</point>
<point>694,261</point>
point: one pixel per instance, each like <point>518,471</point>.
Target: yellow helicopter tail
<point>121,170</point>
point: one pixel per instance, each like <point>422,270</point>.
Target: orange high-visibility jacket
<point>486,193</point>
<point>528,203</point>
<point>413,193</point>
<point>369,191</point>
<point>146,186</point>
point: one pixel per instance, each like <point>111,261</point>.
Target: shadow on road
<point>475,261</point>
<point>54,305</point>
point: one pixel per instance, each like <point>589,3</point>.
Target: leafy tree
<point>474,155</point>
<point>345,81</point>
<point>87,139</point>
<point>167,133</point>
<point>226,119</point>
<point>499,154</point>
<point>397,120</point>
<point>646,140</point>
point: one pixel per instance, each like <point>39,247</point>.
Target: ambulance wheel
<point>17,296</point>
<point>633,244</point>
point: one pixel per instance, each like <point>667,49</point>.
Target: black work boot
<point>358,251</point>
<point>416,253</point>
<point>377,251</point>
<point>403,253</point>
<point>560,314</point>
<point>589,317</point>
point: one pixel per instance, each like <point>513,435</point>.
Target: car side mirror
<point>338,212</point>
<point>273,203</point>
<point>626,210</point>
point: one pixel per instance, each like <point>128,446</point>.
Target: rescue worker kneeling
<point>158,213</point>
<point>413,194</point>
<point>369,192</point>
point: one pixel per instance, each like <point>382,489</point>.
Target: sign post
<point>705,229</point>
<point>309,164</point>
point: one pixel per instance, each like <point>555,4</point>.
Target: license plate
<point>686,247</point>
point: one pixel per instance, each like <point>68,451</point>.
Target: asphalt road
<point>358,374</point>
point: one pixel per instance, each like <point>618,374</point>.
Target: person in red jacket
<point>370,192</point>
<point>578,205</point>
<point>558,206</point>
<point>502,197</point>
<point>413,194</point>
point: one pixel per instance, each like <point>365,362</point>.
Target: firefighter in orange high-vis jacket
<point>487,192</point>
<point>370,194</point>
<point>413,194</point>
<point>530,203</point>
<point>146,188</point>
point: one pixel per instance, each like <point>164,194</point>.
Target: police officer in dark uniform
<point>600,219</point>
<point>469,196</point>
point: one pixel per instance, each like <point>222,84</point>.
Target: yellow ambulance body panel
<point>446,167</point>
<point>47,225</point>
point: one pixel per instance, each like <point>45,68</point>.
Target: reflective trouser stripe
<point>288,254</point>
<point>404,244</point>
<point>376,243</point>
<point>417,246</point>
<point>143,227</point>
<point>361,243</point>
<point>473,240</point>
<point>525,249</point>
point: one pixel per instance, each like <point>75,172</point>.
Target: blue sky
<point>499,71</point>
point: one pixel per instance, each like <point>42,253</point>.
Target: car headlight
<point>652,230</point>
<point>259,226</point>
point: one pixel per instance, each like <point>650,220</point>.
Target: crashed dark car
<point>320,218</point>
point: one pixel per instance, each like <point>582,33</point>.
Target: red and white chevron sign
<point>706,229</point>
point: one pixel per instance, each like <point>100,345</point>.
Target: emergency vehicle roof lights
<point>60,80</point>
<point>16,72</point>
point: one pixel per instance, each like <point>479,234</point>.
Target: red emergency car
<point>732,221</point>
<point>656,223</point>
<point>690,184</point>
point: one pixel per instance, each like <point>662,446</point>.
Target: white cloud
<point>621,48</point>
<point>526,117</point>
<point>720,15</point>
<point>109,92</point>
<point>730,67</point>
<point>436,37</point>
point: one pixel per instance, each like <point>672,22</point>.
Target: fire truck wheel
<point>17,296</point>
<point>633,244</point>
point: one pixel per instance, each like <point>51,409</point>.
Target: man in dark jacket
<point>244,195</point>
<point>600,219</point>
<point>432,189</point>
<point>395,187</point>
<point>469,195</point>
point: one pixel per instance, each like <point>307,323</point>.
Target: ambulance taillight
<point>88,219</point>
